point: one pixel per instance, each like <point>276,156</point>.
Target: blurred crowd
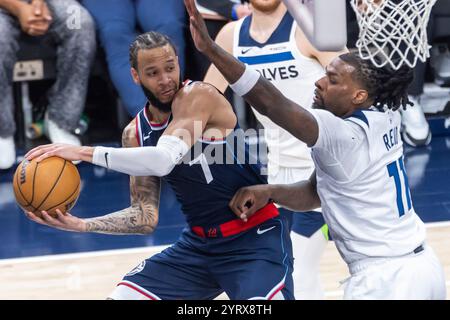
<point>80,29</point>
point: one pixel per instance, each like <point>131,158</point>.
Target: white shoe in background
<point>415,129</point>
<point>7,152</point>
<point>58,135</point>
<point>440,61</point>
<point>434,98</point>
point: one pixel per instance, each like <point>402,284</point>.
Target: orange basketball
<point>51,184</point>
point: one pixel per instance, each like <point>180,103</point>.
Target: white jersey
<point>280,61</point>
<point>363,187</point>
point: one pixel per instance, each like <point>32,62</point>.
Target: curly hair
<point>148,40</point>
<point>386,87</point>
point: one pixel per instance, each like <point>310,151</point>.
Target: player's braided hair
<point>148,40</point>
<point>386,86</point>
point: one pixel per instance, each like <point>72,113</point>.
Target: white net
<point>393,31</point>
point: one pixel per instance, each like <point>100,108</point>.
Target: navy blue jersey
<point>209,175</point>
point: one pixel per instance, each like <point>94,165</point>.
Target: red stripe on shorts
<point>137,289</point>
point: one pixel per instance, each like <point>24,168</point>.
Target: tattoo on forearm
<point>142,216</point>
<point>127,221</point>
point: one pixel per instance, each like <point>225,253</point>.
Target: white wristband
<point>246,82</point>
<point>101,156</point>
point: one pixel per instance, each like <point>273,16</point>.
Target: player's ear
<point>360,96</point>
<point>135,76</point>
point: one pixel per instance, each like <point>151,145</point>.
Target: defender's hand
<point>199,32</point>
<point>248,200</point>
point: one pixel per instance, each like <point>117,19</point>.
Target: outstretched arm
<point>264,97</point>
<point>140,218</point>
<point>225,40</point>
<point>300,196</point>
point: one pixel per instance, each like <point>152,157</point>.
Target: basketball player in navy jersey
<point>188,134</point>
<point>270,41</point>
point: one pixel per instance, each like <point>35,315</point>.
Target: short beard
<point>154,101</point>
<point>267,8</point>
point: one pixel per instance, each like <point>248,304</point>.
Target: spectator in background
<point>118,22</point>
<point>75,53</point>
<point>216,13</point>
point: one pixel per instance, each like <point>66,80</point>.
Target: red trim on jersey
<point>137,289</point>
<point>136,120</point>
<point>153,125</point>
<point>159,124</point>
<point>276,291</point>
<point>237,225</point>
<point>212,139</point>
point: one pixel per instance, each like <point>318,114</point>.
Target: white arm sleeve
<point>143,161</point>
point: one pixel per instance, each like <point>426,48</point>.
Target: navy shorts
<point>304,223</point>
<point>254,264</point>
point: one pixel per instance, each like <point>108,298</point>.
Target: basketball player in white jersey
<point>270,42</point>
<point>360,178</point>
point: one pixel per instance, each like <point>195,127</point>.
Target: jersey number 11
<point>394,172</point>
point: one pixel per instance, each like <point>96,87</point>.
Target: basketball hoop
<point>393,32</point>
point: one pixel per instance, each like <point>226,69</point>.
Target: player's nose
<point>165,79</point>
<point>319,83</point>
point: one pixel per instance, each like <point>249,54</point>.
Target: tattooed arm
<point>140,218</point>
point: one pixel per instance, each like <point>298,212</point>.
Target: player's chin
<point>317,105</point>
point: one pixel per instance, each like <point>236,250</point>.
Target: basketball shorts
<point>305,223</point>
<point>415,276</point>
<point>254,264</point>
